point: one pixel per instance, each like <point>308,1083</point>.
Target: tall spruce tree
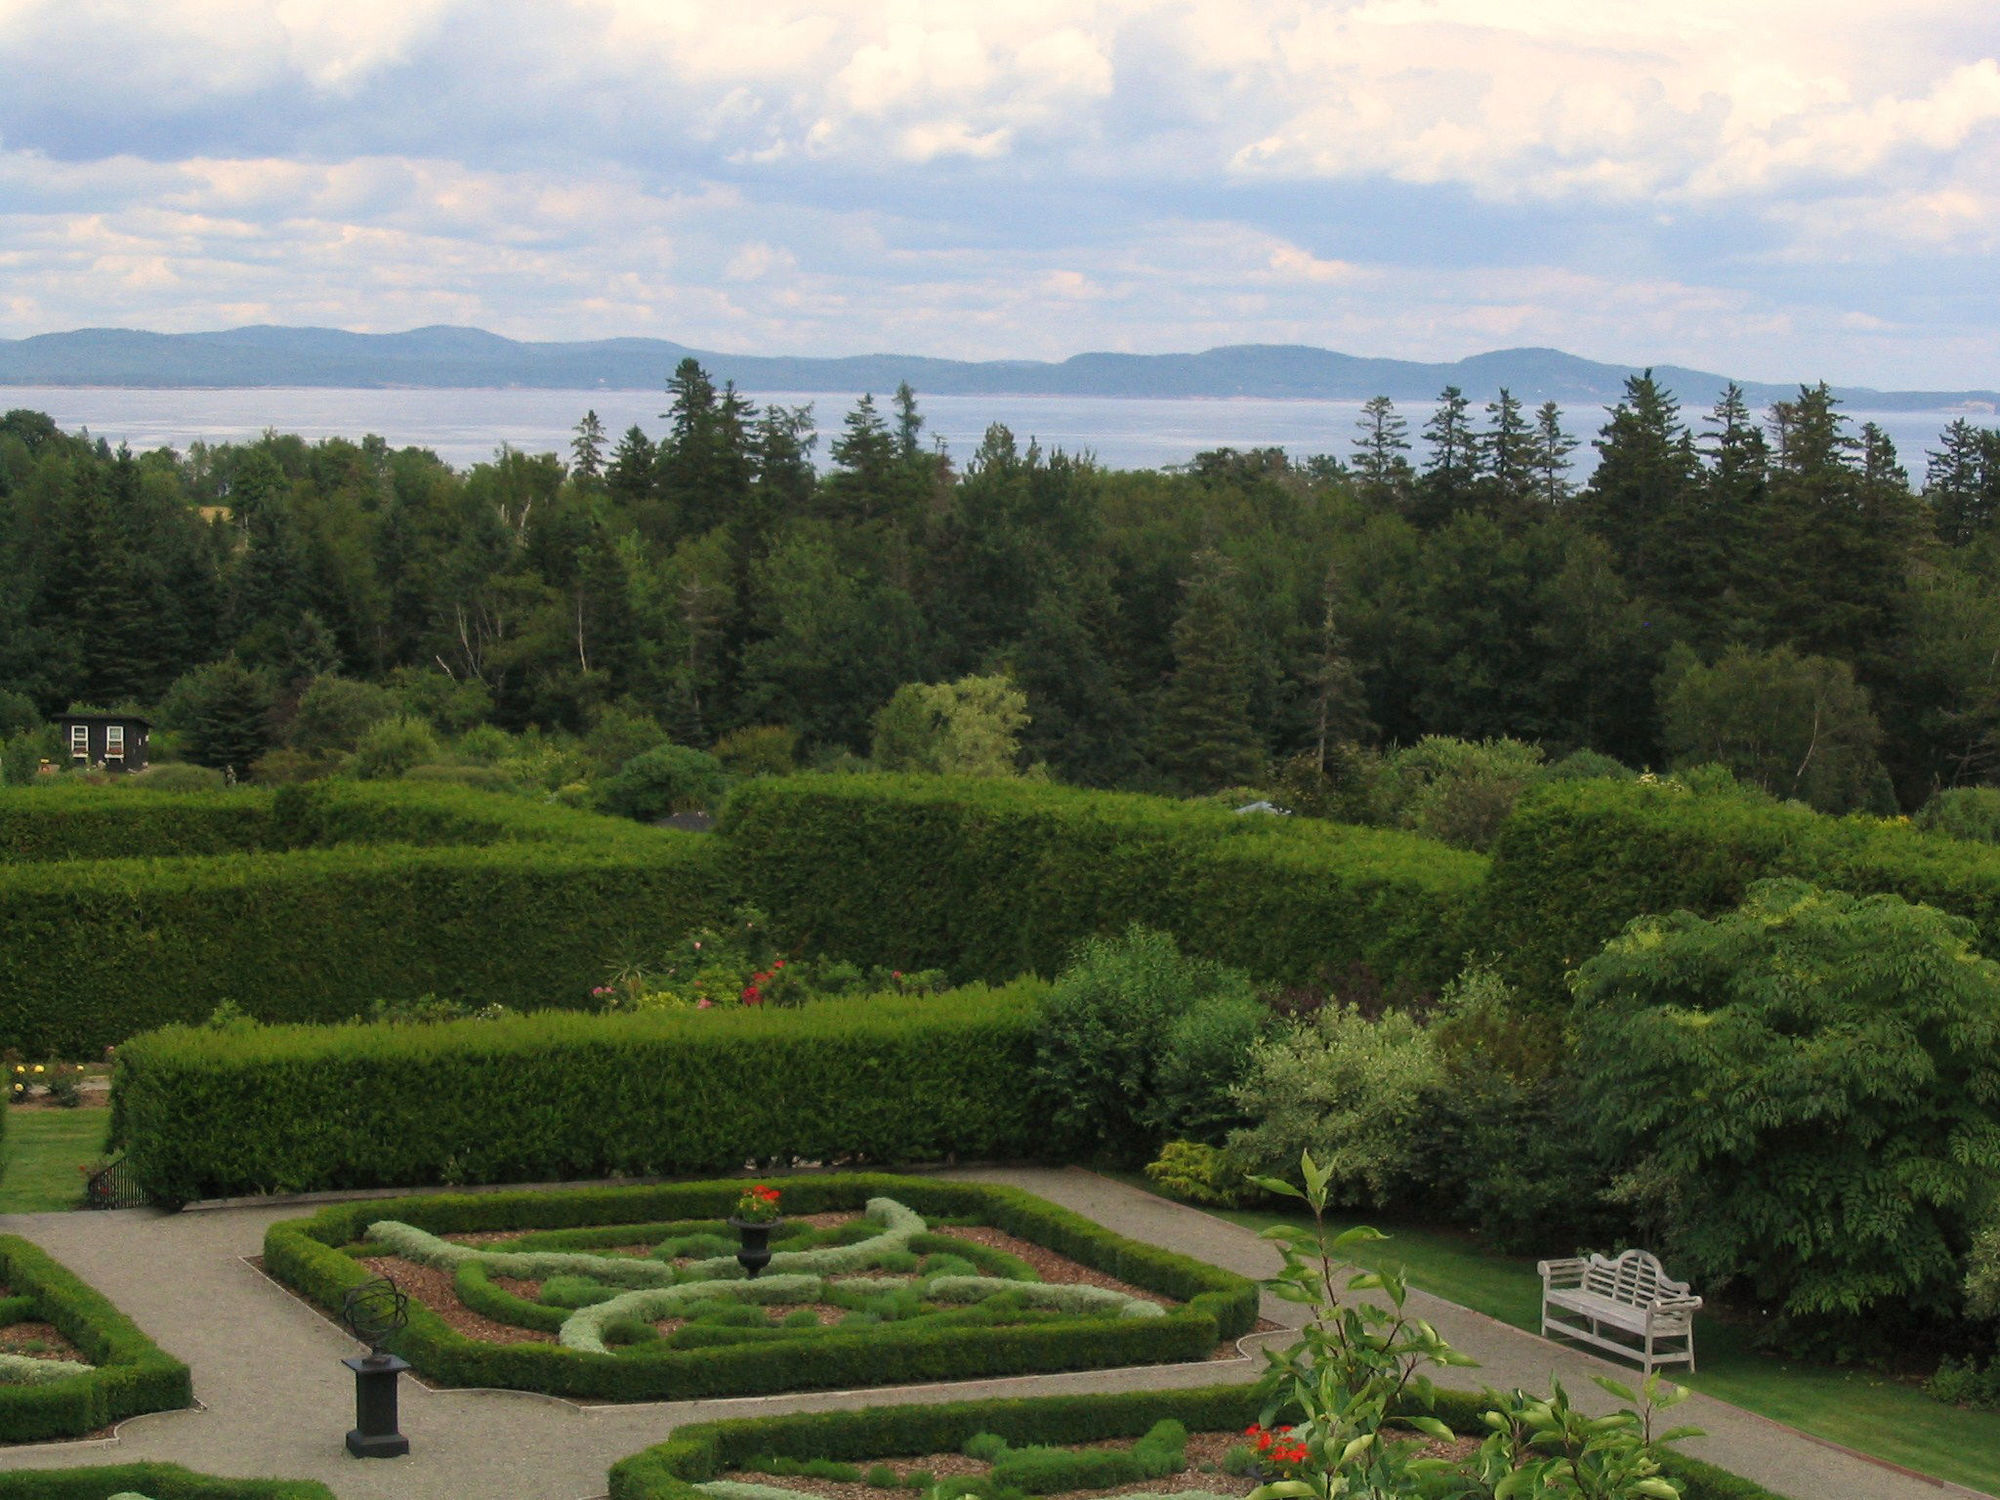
<point>1381,454</point>
<point>1202,737</point>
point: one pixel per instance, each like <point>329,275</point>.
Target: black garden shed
<point>116,742</point>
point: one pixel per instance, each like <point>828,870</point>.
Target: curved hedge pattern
<point>697,1453</point>
<point>133,1374</point>
<point>1216,1304</point>
<point>988,879</point>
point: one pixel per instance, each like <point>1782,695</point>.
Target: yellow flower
<point>38,1068</point>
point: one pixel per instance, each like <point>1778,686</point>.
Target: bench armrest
<point>1674,1304</point>
<point>1563,1273</point>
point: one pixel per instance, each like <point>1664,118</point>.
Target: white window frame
<point>79,742</point>
<point>114,741</point>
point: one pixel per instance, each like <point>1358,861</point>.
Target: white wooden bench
<point>1610,1303</point>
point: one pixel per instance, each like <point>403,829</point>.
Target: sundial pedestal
<point>376,1431</point>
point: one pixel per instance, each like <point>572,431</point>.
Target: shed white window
<point>79,741</point>
<point>114,742</point>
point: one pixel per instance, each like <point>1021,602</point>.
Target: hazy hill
<point>470,357</point>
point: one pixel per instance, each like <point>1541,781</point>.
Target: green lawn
<point>44,1149</point>
<point>1855,1408</point>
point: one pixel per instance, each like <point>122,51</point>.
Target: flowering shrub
<point>1279,1454</point>
<point>740,965</point>
<point>759,1205</point>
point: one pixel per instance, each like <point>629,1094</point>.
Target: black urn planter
<point>755,1252</point>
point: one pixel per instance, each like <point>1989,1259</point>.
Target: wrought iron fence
<point>113,1186</point>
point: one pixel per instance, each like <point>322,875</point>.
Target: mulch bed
<point>1204,1471</point>
<point>16,1337</point>
<point>433,1288</point>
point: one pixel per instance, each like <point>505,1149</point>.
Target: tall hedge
<point>211,1113</point>
<point>78,821</point>
<point>98,950</point>
<point>988,878</point>
<point>1577,861</point>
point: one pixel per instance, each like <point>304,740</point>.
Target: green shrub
<point>1198,1173</point>
<point>389,748</point>
<point>1359,1093</point>
<point>483,778</point>
<point>176,776</point>
<point>132,1376</point>
<point>665,780</point>
<point>988,877</point>
<point>154,1481</point>
<point>1966,1382</point>
<point>286,1108</point>
<point>1459,791</point>
<point>1803,1096</point>
<point>1216,1304</point>
<point>335,713</point>
<point>767,750</point>
<point>1963,812</point>
<point>1115,1016</point>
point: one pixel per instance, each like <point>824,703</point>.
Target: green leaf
<point>1278,1186</point>
<point>1622,1392</point>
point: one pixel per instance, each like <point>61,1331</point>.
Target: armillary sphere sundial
<point>374,1312</point>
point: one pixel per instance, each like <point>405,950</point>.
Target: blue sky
<point>1773,188</point>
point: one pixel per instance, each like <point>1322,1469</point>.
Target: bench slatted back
<point>1634,1278</point>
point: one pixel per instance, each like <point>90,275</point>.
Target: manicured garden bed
<point>901,1439</point>
<point>633,1294</point>
<point>154,1481</point>
<point>73,1364</point>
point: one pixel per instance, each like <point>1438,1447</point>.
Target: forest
<point>1773,592</point>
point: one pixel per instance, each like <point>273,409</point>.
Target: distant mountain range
<point>454,358</point>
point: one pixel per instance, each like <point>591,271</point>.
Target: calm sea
<point>465,427</point>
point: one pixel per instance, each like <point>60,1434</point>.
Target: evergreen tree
<point>1453,464</point>
<point>223,713</point>
<point>1549,456</point>
<point>586,449</point>
<point>1381,462</point>
<point>1507,448</point>
<point>1642,497</point>
<point>1082,722</point>
<point>1202,739</point>
<point>631,478</point>
<point>1962,482</point>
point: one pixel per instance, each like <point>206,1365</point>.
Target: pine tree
<point>1962,482</point>
<point>1203,740</point>
<point>1644,491</point>
<point>1381,462</point>
<point>1453,464</point>
<point>631,477</point>
<point>586,449</point>
<point>1550,450</point>
<point>1507,448</point>
<point>1340,709</point>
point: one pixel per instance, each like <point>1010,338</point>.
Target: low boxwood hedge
<point>699,1452</point>
<point>154,1481</point>
<point>307,1255</point>
<point>988,878</point>
<point>559,1096</point>
<point>133,1374</point>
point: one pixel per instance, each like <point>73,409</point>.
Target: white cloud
<point>1016,176</point>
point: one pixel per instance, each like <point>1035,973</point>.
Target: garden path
<point>275,1399</point>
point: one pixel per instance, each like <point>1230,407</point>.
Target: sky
<point>1775,189</point>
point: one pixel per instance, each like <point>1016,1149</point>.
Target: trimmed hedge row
<point>699,1452</point>
<point>155,1481</point>
<point>210,1113</point>
<point>74,821</point>
<point>988,879</point>
<point>1217,1304</point>
<point>134,1374</point>
<point>1577,861</point>
<point>98,950</point>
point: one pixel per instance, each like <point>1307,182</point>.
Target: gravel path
<point>276,1401</point>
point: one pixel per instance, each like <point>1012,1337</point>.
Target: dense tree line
<point>1176,630</point>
